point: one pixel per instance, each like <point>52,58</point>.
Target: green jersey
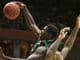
<point>47,43</point>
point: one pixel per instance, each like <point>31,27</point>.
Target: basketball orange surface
<point>11,10</point>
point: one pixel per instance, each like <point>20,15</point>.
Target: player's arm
<point>54,46</point>
<point>29,19</point>
<point>10,58</point>
<point>2,56</point>
<point>71,39</point>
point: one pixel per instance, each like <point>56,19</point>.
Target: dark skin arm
<point>30,20</point>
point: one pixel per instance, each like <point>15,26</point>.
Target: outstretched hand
<point>21,5</point>
<point>78,22</point>
<point>64,32</point>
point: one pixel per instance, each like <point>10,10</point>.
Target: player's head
<point>51,30</point>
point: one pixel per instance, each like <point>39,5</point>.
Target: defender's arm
<point>71,39</point>
<point>53,48</point>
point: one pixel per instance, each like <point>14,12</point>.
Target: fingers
<point>21,5</point>
<point>78,22</point>
<point>65,33</point>
<point>78,18</point>
<point>66,29</point>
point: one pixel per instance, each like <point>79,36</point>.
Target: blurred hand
<point>64,32</point>
<point>19,3</point>
<point>78,22</point>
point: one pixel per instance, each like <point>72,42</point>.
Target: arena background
<point>59,12</point>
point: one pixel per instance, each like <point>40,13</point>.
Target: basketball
<point>11,10</point>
